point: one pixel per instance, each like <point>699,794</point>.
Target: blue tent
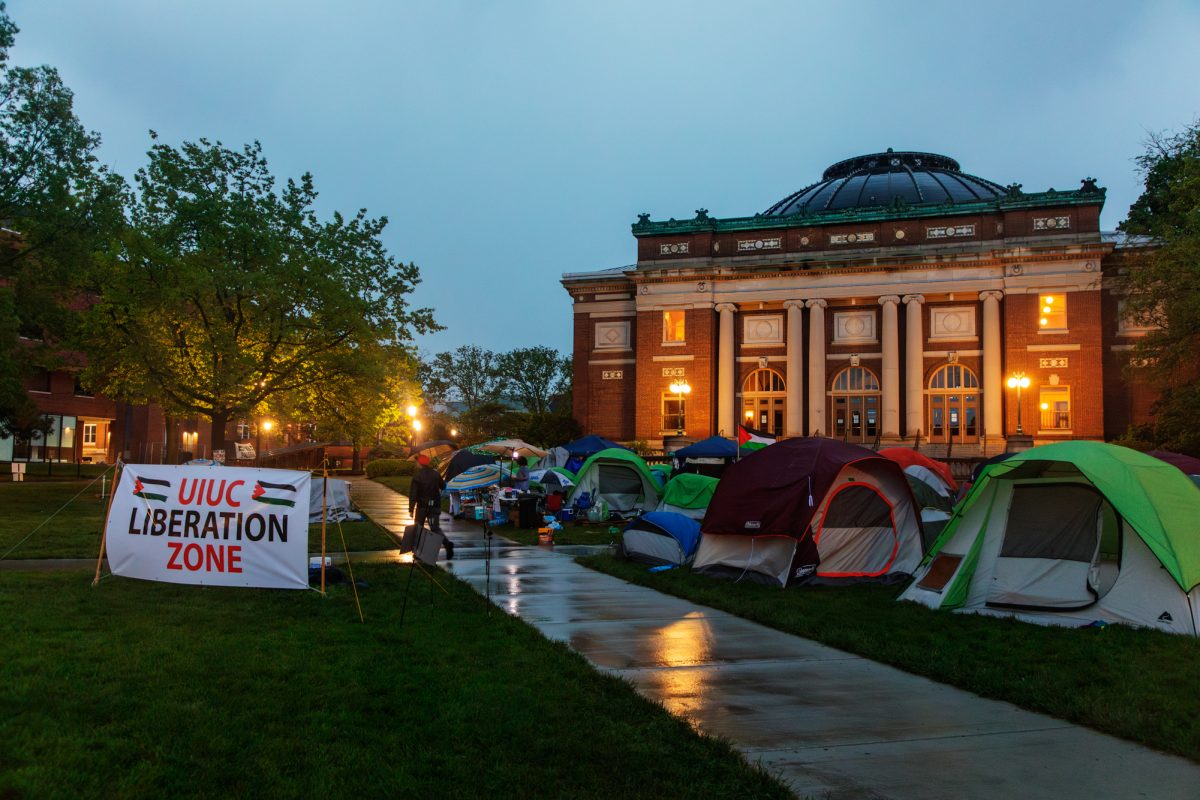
<point>588,446</point>
<point>661,537</point>
<point>712,447</point>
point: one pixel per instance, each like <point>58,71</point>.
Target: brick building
<point>890,301</point>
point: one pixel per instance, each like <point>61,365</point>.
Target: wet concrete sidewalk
<point>827,723</point>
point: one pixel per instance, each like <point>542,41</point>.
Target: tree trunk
<point>216,439</point>
<point>356,460</point>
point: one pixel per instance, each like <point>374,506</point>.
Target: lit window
<point>89,433</point>
<point>1055,405</point>
<point>673,418</point>
<point>1052,312</point>
<point>673,329</point>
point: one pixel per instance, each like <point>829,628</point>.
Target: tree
<point>535,375</point>
<point>1161,284</point>
<point>59,206</point>
<point>470,375</point>
<point>225,294</point>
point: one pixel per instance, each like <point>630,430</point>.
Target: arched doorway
<point>953,405</point>
<point>764,394</point>
<point>854,405</point>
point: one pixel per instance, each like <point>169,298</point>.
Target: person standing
<point>521,479</point>
<point>425,500</point>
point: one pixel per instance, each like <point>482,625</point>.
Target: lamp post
<point>265,425</point>
<point>680,388</point>
<point>1019,381</point>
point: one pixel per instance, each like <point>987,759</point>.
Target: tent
<point>688,494</point>
<point>907,457</point>
<point>1070,533</point>
<point>588,446</point>
<point>555,457</point>
<point>337,504</point>
<point>1188,465</point>
<point>928,488</point>
<point>620,478</point>
<point>661,473</point>
<point>462,460</point>
<point>811,509</point>
<point>661,537</point>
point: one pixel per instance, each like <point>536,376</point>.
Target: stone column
<point>891,367</point>
<point>914,373</point>
<point>794,405</point>
<point>993,376</point>
<point>726,425</point>
<point>816,367</point>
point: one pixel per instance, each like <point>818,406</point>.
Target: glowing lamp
<point>411,411</point>
<point>417,425</point>
<point>267,425</point>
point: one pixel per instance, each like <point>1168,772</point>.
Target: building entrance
<point>764,395</point>
<point>953,405</point>
<point>854,404</point>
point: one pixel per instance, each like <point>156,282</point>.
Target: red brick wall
<point>701,332</point>
<point>1085,370</point>
<point>603,407</point>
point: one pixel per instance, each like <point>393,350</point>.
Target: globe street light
<point>1019,381</point>
<point>265,425</point>
<point>680,388</point>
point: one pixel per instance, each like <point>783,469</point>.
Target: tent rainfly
<point>688,494</point>
<point>1070,533</point>
<point>811,509</point>
<point>661,537</point>
<point>618,477</point>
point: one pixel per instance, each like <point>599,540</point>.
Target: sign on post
<point>227,526</point>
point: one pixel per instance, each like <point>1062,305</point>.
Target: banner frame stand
<point>104,527</point>
<point>324,520</point>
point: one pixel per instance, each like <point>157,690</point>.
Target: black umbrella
<point>435,449</point>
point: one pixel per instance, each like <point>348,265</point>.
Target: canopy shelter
<point>1070,533</point>
<point>331,496</point>
<point>553,479</point>
<point>618,477</point>
<point>588,446</point>
<point>811,509</point>
<point>438,449</point>
<point>473,478</point>
<point>661,537</point>
<point>688,494</point>
<point>462,460</point>
<point>510,448</point>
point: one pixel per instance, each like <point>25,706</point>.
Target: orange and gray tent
<point>811,510</point>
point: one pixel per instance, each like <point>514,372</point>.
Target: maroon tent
<point>811,508</point>
<point>1188,464</point>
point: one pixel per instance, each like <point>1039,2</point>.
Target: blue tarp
<point>682,529</point>
<point>712,447</point>
<point>588,446</point>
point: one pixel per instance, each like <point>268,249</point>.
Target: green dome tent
<point>1070,533</point>
<point>618,477</point>
<point>688,494</point>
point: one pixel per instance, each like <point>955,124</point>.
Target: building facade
<point>891,301</point>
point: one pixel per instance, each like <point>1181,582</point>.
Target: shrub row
<point>390,466</point>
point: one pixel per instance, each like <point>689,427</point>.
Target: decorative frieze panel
<point>952,322</point>
<point>674,372</point>
<point>612,335</point>
<point>1053,363</point>
<point>673,248</point>
<point>613,374</point>
<point>949,231</point>
<point>762,329</point>
<point>1051,223</point>
<point>750,245</point>
<point>852,238</point>
<point>854,327</point>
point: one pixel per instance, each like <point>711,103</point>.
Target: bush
<point>390,466</point>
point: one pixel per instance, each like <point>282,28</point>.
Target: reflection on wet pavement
<point>828,723</point>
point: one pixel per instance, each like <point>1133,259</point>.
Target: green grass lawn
<point>1137,684</point>
<point>139,689</point>
<point>75,531</point>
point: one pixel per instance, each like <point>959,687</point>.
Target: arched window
<point>764,393</point>
<point>953,405</point>
<point>854,405</point>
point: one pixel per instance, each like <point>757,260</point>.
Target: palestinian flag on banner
<point>750,439</point>
<point>278,493</point>
<point>140,490</point>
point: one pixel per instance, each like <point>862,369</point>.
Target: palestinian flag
<point>750,439</point>
<point>140,490</point>
<point>278,493</point>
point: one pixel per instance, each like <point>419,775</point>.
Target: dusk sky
<point>511,142</point>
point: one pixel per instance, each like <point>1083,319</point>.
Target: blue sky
<point>511,142</point>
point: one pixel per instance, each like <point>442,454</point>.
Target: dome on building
<point>882,179</point>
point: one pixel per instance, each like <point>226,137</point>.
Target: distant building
<point>890,301</point>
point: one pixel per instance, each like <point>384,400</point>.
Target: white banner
<point>210,525</point>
